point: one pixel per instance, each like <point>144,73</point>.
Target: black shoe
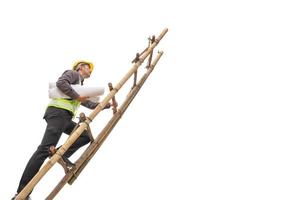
<point>64,161</point>
<point>68,163</point>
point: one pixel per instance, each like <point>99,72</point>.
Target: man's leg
<point>81,141</point>
<point>55,126</point>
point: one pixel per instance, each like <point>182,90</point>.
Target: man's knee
<point>43,151</point>
<point>50,130</point>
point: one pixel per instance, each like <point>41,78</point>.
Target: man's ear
<point>79,67</point>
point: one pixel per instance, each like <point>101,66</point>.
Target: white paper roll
<point>82,90</point>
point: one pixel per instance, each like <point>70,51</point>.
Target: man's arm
<point>92,105</point>
<point>64,83</point>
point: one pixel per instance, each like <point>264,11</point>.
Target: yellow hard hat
<point>75,65</point>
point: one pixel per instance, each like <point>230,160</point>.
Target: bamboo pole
<point>93,148</point>
<point>29,187</point>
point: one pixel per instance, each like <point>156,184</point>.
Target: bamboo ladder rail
<point>75,135</point>
<point>83,160</point>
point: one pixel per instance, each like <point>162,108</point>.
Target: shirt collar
<point>81,79</point>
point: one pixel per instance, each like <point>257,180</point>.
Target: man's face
<point>85,71</point>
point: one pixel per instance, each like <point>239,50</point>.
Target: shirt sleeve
<point>92,105</point>
<point>89,104</point>
<point>64,83</point>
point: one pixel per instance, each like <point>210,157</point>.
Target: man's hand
<point>108,105</point>
<point>82,99</point>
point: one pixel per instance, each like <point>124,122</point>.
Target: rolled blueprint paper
<point>82,90</point>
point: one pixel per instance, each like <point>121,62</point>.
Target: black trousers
<point>58,121</point>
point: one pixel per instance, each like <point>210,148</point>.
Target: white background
<point>217,119</point>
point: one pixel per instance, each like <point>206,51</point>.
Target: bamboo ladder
<point>83,160</point>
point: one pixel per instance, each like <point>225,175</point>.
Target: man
<point>58,116</point>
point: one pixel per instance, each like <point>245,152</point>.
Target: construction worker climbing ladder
<point>57,155</point>
<point>58,115</point>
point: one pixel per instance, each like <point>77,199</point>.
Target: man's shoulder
<point>70,71</point>
<point>71,75</point>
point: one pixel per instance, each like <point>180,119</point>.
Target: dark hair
<point>77,67</point>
